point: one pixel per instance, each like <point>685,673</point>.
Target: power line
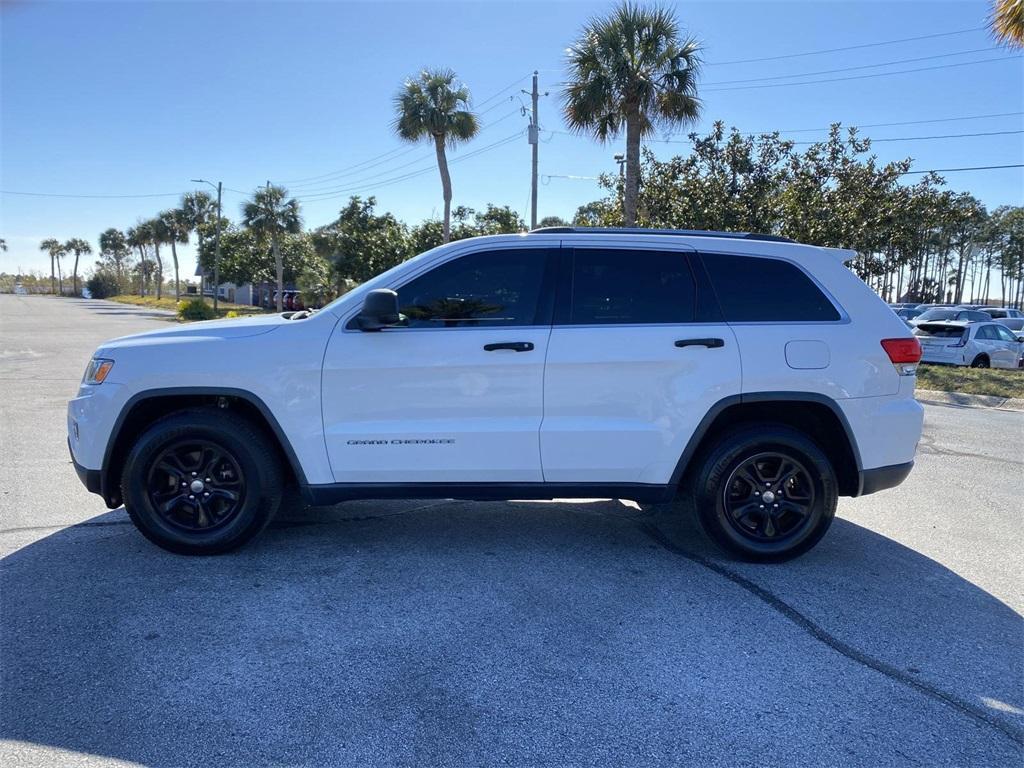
<point>889,125</point>
<point>844,48</point>
<point>411,174</point>
<point>862,77</point>
<point>322,189</point>
<point>391,153</point>
<point>95,197</point>
<point>973,168</point>
<point>852,69</point>
<point>928,138</point>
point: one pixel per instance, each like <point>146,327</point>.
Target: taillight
<point>905,354</point>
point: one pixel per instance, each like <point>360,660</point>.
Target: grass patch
<point>168,303</point>
<point>972,381</point>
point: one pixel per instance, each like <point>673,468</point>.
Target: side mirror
<point>1020,339</point>
<point>380,309</point>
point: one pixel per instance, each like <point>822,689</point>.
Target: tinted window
<point>937,314</point>
<point>766,290</point>
<point>972,315</point>
<point>996,314</point>
<point>1004,333</point>
<point>486,289</point>
<point>625,286</point>
<point>986,332</point>
<point>939,330</point>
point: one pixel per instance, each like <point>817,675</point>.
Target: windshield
<point>937,314</point>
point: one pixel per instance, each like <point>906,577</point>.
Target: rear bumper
<point>92,479</point>
<point>880,478</point>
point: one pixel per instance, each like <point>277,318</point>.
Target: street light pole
<point>216,239</point>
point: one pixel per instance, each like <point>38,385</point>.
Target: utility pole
<point>216,251</point>
<point>216,242</point>
<point>534,136</point>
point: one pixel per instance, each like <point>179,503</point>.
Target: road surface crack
<point>820,634</point>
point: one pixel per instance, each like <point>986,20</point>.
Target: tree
<point>159,234</point>
<point>3,245</point>
<point>54,247</point>
<point>114,251</point>
<point>77,246</point>
<point>139,237</point>
<point>199,210</point>
<point>1007,22</point>
<point>432,107</point>
<point>176,225</point>
<point>553,221</point>
<point>361,243</point>
<point>103,284</point>
<point>270,216</point>
<point>631,70</point>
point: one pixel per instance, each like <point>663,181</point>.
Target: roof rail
<point>643,231</point>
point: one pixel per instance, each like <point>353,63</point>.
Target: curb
<point>965,400</point>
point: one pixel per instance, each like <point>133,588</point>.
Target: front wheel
<point>765,493</point>
<point>201,482</point>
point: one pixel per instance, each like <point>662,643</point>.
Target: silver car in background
<point>978,345</point>
<point>1011,318</point>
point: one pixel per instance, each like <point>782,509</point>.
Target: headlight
<point>97,370</point>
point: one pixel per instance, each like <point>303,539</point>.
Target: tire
<point>769,529</point>
<point>981,361</point>
<point>220,456</point>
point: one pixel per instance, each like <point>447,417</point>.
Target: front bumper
<point>880,478</point>
<point>92,479</point>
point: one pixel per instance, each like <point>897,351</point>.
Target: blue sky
<point>138,98</point>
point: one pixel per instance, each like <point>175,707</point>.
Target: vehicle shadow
<point>455,632</point>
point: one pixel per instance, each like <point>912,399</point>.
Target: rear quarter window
<point>759,289</point>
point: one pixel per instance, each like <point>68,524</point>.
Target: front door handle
<point>709,343</point>
<point>515,346</point>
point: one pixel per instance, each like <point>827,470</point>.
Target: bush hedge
<point>195,309</point>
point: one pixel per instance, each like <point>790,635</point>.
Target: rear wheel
<point>765,493</point>
<point>981,361</point>
<point>200,482</point>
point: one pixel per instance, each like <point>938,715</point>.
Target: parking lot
<point>435,633</point>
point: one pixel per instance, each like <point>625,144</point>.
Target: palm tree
<point>269,215</point>
<point>432,107</point>
<point>138,237</point>
<point>199,210</point>
<point>77,246</point>
<point>631,69</point>
<point>3,245</point>
<point>176,225</point>
<point>56,250</point>
<point>1008,22</point>
<point>159,234</point>
<point>114,247</point>
<point>50,245</point>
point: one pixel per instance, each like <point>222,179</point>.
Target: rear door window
<point>627,287</point>
<point>763,290</point>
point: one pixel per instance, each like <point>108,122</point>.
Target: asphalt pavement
<point>463,633</point>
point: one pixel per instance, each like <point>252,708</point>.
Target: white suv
<point>758,375</point>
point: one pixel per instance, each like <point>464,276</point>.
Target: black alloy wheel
<point>769,497</point>
<point>196,485</point>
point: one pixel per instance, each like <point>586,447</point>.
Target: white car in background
<point>979,345</point>
<point>1011,318</point>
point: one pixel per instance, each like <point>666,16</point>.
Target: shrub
<point>232,313</point>
<point>195,309</point>
<point>103,285</point>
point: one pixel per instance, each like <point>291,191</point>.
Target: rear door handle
<point>709,343</point>
<point>515,346</point>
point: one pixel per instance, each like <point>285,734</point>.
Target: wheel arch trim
<point>716,410</point>
<point>162,392</point>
